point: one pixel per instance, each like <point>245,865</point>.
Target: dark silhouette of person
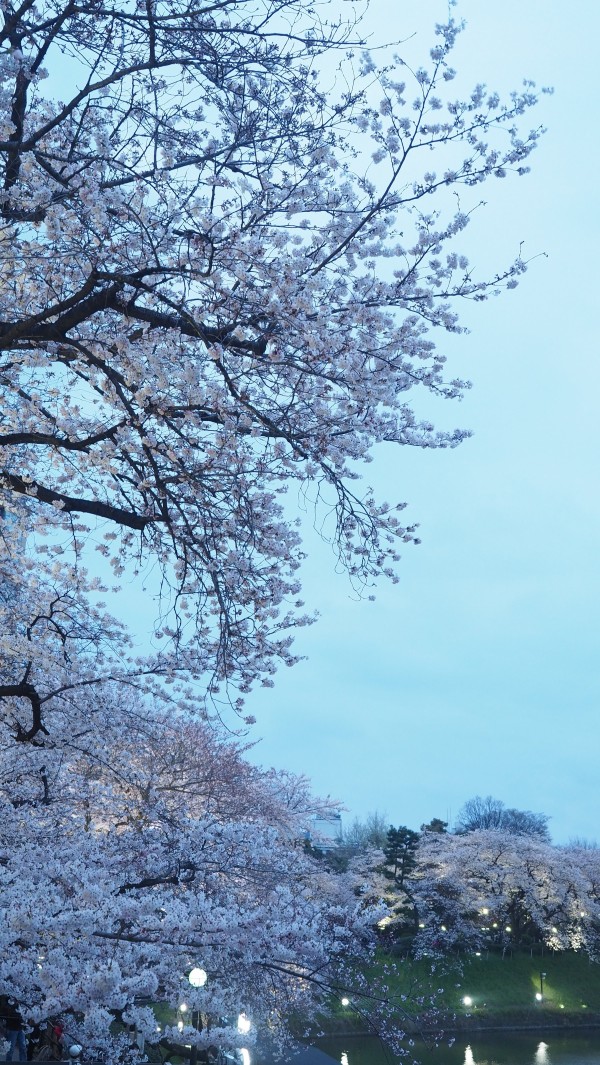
<point>13,1022</point>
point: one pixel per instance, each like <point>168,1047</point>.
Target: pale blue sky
<point>478,673</point>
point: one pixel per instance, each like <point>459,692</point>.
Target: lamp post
<point>542,978</point>
<point>197,978</point>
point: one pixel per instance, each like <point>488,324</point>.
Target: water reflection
<point>540,1057</point>
<point>512,1048</point>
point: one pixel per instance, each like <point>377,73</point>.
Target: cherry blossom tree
<point>225,259</point>
<point>147,848</point>
<point>137,843</point>
<point>228,241</point>
<point>492,887</point>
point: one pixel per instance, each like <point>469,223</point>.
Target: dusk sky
<point>477,674</point>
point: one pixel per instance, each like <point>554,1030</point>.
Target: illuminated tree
<point>492,887</point>
<point>144,847</point>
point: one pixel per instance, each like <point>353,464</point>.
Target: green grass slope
<point>502,991</point>
<point>505,988</point>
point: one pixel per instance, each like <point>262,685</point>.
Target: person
<point>13,1023</point>
<point>45,1042</point>
<point>56,1038</point>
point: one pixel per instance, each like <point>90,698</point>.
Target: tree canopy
<point>479,813</point>
<point>492,888</point>
<point>220,280</point>
<point>227,263</point>
<point>369,832</point>
<point>167,851</point>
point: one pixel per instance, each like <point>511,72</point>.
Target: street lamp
<point>542,978</point>
<point>196,978</point>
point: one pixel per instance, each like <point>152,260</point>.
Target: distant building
<point>325,832</point>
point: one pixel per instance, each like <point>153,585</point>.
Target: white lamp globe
<point>244,1023</point>
<point>198,977</point>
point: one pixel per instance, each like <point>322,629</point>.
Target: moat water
<point>515,1048</point>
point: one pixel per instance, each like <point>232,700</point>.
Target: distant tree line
<point>494,882</point>
<point>477,813</point>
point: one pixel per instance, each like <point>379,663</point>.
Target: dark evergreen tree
<point>400,855</point>
<point>435,825</point>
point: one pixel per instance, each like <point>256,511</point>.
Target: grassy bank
<point>500,992</point>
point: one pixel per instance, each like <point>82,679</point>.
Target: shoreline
<point>570,1024</point>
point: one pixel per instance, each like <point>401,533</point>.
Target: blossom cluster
<point>210,293</point>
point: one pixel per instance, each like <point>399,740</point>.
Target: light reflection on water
<point>541,1055</point>
<point>517,1048</point>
